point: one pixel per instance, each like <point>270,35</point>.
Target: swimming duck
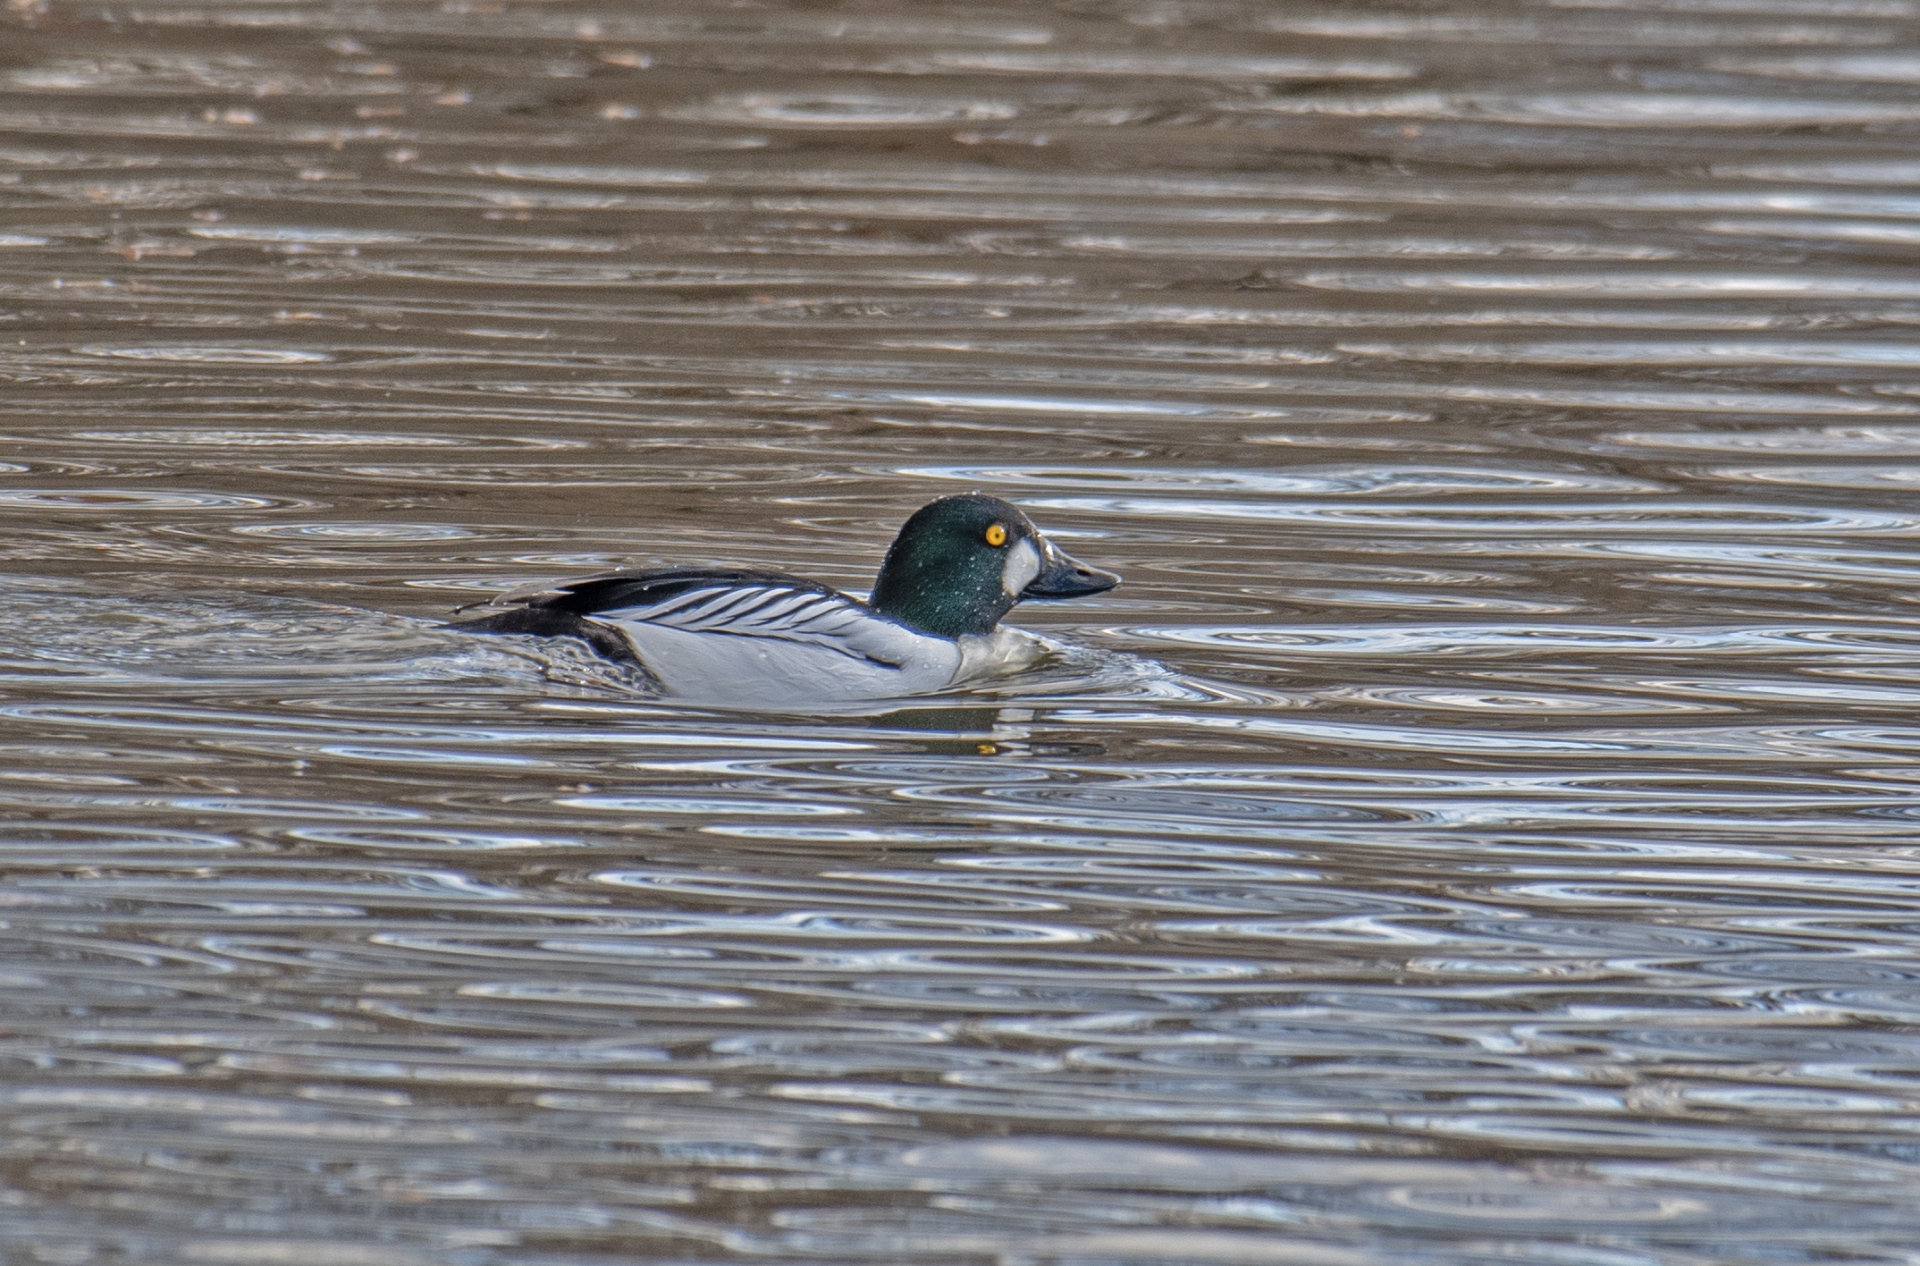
<point>767,638</point>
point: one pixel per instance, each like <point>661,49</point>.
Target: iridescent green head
<point>960,563</point>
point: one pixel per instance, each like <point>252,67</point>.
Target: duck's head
<point>960,563</point>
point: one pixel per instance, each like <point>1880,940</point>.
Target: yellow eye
<point>997,536</point>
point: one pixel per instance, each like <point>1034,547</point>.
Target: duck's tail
<point>607,642</point>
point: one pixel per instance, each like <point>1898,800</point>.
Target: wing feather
<point>731,603</point>
<point>776,612</point>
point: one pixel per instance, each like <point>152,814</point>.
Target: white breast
<point>997,654</point>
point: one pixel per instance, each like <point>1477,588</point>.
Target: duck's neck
<point>929,594</point>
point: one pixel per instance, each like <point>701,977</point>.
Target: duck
<point>767,638</point>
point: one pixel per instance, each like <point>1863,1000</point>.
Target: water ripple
<point>1657,518</point>
<point>123,499</point>
<point>1480,827</point>
<point>1367,480</point>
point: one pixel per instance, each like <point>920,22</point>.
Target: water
<point>1481,828</point>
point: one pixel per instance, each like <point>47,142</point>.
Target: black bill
<point>1064,576</point>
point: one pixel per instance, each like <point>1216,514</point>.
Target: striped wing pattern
<point>770,609</point>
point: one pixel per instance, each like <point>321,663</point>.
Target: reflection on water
<point>1481,828</point>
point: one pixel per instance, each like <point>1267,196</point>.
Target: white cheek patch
<point>1022,565</point>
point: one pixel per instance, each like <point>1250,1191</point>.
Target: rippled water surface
<point>1485,826</point>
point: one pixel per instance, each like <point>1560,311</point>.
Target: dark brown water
<point>1484,827</point>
